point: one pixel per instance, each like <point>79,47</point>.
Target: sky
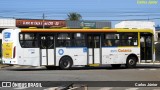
<point>111,10</point>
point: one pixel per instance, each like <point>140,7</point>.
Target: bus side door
<point>94,48</point>
<point>46,49</point>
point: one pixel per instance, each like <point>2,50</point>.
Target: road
<point>26,73</point>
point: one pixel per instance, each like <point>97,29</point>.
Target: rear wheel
<point>116,65</point>
<point>131,62</point>
<point>65,63</point>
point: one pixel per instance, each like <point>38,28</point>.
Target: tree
<point>74,16</point>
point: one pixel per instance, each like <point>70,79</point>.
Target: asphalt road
<point>140,73</point>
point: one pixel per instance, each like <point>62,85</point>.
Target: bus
<point>66,48</point>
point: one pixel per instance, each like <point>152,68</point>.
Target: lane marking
<point>148,69</point>
<point>141,69</point>
<point>51,88</point>
<point>132,89</point>
<point>106,88</point>
<point>21,88</point>
<point>153,69</point>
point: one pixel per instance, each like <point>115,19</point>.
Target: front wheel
<point>65,63</point>
<point>131,62</point>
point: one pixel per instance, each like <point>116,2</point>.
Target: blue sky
<point>114,10</point>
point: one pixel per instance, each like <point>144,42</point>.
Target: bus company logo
<point>121,50</point>
<point>113,51</point>
<point>7,35</point>
<point>60,51</point>
<point>124,50</point>
<point>84,50</point>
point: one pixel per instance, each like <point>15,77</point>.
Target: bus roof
<point>87,30</point>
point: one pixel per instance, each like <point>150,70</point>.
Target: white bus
<point>66,48</point>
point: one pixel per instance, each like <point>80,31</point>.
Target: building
<point>138,25</point>
<point>88,24</point>
<point>39,23</point>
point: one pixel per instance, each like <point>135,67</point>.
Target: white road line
<point>152,69</point>
<point>21,88</point>
<point>141,69</point>
<point>132,89</point>
<point>147,69</point>
<point>105,88</point>
<point>51,88</point>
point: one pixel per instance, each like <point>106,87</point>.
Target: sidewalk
<point>3,66</point>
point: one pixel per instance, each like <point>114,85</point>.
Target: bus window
<point>50,41</point>
<point>111,39</point>
<point>46,41</point>
<point>129,39</point>
<point>28,40</point>
<point>96,41</point>
<point>120,39</point>
<point>78,40</point>
<point>63,40</point>
<point>43,42</point>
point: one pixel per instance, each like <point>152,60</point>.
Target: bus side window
<point>108,43</point>
<point>111,39</point>
<point>28,40</point>
<point>78,40</point>
<point>63,40</point>
<point>129,39</point>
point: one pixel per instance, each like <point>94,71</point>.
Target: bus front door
<point>47,49</point>
<point>93,48</point>
<point>146,47</point>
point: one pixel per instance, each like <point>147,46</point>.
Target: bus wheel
<point>116,65</point>
<point>131,62</point>
<point>51,67</point>
<point>65,63</point>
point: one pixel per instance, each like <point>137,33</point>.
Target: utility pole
<point>43,20</point>
<point>148,18</point>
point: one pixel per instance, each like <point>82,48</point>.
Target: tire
<point>116,66</point>
<point>51,67</point>
<point>65,63</point>
<point>131,62</point>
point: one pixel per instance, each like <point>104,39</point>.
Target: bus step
<point>94,65</point>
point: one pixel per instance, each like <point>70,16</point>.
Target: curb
<point>3,66</point>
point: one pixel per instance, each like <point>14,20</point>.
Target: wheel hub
<point>131,61</point>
